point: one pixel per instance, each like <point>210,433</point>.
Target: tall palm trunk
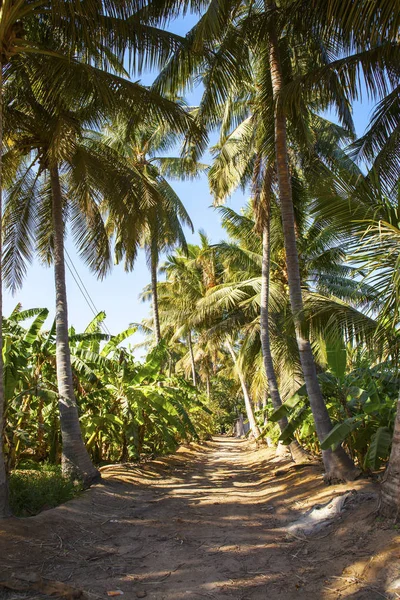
<point>154,292</point>
<point>4,507</point>
<point>297,452</point>
<point>264,320</point>
<point>75,458</point>
<point>247,400</point>
<point>337,464</point>
<point>192,358</point>
<point>208,386</point>
<point>390,493</point>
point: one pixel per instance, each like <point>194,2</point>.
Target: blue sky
<point>118,294</point>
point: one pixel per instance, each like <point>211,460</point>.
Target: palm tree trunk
<point>247,401</point>
<point>338,465</point>
<point>192,358</point>
<point>390,493</point>
<point>154,265</point>
<point>4,507</point>
<point>297,452</point>
<point>264,323</point>
<point>239,427</point>
<point>75,458</point>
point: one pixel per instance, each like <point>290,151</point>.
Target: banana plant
<point>143,410</point>
<point>126,408</point>
<point>361,401</point>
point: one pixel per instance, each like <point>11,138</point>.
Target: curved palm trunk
<point>337,464</point>
<point>247,401</point>
<point>390,493</point>
<point>4,507</point>
<point>75,458</point>
<point>156,318</point>
<point>297,452</point>
<point>193,365</point>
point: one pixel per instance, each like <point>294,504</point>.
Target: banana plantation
<point>271,352</point>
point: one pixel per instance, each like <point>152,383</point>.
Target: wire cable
<point>84,291</point>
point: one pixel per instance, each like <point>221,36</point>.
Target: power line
<point>80,289</point>
<point>84,291</point>
<point>82,283</point>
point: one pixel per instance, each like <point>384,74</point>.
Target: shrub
<point>32,490</point>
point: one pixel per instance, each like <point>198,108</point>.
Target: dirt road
<point>208,522</point>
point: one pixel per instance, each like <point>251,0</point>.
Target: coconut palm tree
<point>62,170</point>
<point>365,47</point>
<point>335,301</point>
<point>221,95</point>
<point>189,280</point>
<point>374,220</point>
<point>363,35</point>
<point>89,31</point>
<point>337,463</point>
<point>313,73</point>
<point>187,277</point>
<point>48,145</point>
<point>164,215</point>
<point>177,295</point>
<point>239,160</point>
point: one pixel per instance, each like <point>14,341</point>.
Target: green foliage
<point>361,402</point>
<point>287,407</point>
<point>340,432</point>
<point>127,409</point>
<point>225,403</point>
<point>33,490</point>
<point>336,359</point>
<point>64,76</point>
<point>379,448</point>
<point>268,428</point>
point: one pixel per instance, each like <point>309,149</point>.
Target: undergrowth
<point>33,490</point>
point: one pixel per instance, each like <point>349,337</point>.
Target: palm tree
<point>164,215</point>
<point>53,140</point>
<point>87,31</point>
<point>377,251</point>
<point>193,279</point>
<point>236,41</point>
<point>337,463</point>
<point>332,297</point>
<point>365,57</point>
<point>61,168</point>
<point>246,394</point>
<point>362,34</point>
<point>319,76</point>
<point>163,233</point>
<point>239,157</point>
<point>184,286</point>
<point>390,492</point>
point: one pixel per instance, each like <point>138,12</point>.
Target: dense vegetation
<point>293,318</point>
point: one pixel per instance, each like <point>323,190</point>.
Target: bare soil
<point>208,522</point>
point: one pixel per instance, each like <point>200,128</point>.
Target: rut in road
<point>208,522</point>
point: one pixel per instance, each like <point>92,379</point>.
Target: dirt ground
<point>208,522</point>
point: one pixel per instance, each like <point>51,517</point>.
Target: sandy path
<point>208,522</point>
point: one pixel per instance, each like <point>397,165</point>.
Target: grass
<point>34,490</point>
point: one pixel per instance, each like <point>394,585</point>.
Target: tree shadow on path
<point>208,522</point>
